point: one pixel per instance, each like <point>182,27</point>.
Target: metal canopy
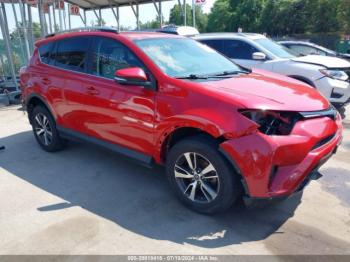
<point>24,22</point>
<point>101,4</point>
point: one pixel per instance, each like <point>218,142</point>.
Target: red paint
<point>133,73</point>
<point>141,119</point>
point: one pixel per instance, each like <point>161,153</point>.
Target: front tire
<point>45,132</point>
<point>201,177</point>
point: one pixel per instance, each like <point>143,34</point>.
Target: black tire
<point>56,143</point>
<point>228,181</point>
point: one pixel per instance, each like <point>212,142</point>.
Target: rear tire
<point>45,131</point>
<point>201,177</point>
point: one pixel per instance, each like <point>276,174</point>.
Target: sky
<point>127,17</point>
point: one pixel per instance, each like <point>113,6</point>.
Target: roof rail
<point>86,29</point>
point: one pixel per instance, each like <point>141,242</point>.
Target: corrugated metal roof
<point>96,4</point>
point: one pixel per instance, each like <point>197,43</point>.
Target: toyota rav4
<point>221,131</point>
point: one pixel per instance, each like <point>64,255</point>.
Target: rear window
<point>45,52</point>
<point>71,53</point>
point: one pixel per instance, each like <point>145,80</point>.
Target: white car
<point>329,75</point>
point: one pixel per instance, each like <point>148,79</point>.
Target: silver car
<point>329,75</point>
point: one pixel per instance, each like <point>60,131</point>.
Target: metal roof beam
<point>106,6</point>
<point>155,6</point>
<point>116,14</point>
<point>136,13</point>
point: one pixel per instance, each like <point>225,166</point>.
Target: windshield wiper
<point>228,73</point>
<point>192,76</point>
<point>216,75</point>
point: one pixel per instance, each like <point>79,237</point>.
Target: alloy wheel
<point>197,177</point>
<point>43,129</point>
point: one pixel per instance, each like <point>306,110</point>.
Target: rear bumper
<point>278,166</point>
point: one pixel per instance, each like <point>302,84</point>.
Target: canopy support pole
<point>159,11</point>
<point>69,18</point>
<point>54,17</point>
<point>136,13</point>
<point>194,13</point>
<point>85,21</point>
<point>116,14</point>
<point>50,21</point>
<point>97,16</point>
<point>19,31</point>
<point>6,37</point>
<point>41,18</point>
<point>30,29</point>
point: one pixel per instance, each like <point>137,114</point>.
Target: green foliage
<point>19,31</point>
<point>280,17</point>
<point>176,17</point>
<point>153,24</point>
<point>245,14</point>
<point>98,22</point>
<point>219,17</point>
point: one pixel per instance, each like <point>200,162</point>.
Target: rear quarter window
<point>45,52</point>
<point>71,53</point>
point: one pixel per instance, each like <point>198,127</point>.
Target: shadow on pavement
<point>132,196</point>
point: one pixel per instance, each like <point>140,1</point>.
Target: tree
<point>153,24</point>
<point>98,22</point>
<point>220,16</point>
<point>19,31</point>
<point>246,14</point>
<point>325,15</point>
<point>176,17</point>
<point>281,17</point>
<point>229,15</point>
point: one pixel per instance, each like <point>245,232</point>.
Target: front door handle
<point>92,91</point>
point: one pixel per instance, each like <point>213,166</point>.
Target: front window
<point>178,57</point>
<point>108,56</point>
<point>274,48</point>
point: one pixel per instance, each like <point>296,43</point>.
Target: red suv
<point>220,130</point>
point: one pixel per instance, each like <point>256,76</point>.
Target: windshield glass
<point>275,48</point>
<point>325,49</point>
<point>178,57</point>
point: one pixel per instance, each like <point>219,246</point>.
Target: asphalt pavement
<point>86,200</point>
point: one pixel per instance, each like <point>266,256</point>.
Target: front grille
<point>323,141</point>
<point>331,112</point>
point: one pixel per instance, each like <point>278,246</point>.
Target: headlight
<point>335,74</point>
<point>272,122</point>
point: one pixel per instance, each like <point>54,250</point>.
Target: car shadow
<point>132,196</point>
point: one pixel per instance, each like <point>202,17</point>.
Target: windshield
<point>275,48</point>
<point>325,49</point>
<point>178,57</point>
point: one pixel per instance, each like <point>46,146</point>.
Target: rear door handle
<point>46,81</point>
<point>92,91</point>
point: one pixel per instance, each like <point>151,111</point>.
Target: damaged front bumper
<point>275,167</point>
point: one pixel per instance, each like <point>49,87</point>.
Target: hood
<point>326,61</point>
<point>265,90</point>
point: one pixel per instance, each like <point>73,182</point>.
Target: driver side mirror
<point>259,56</point>
<point>132,76</point>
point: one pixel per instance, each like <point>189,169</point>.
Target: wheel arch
<point>181,133</point>
<point>170,138</point>
<point>34,100</point>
